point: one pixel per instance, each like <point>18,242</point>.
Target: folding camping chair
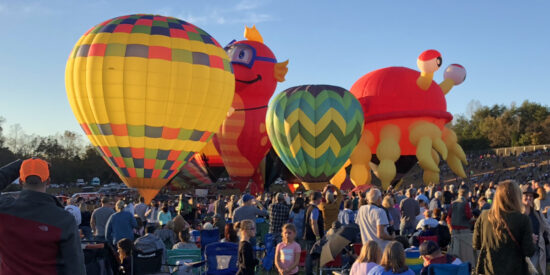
<point>221,258</point>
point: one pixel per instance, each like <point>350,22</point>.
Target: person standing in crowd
<point>347,216</point>
<point>129,205</point>
<point>232,205</point>
<point>120,225</point>
<point>330,206</point>
<point>483,204</point>
<point>503,235</point>
<point>248,211</point>
<point>393,261</point>
<point>164,216</point>
<point>373,220</point>
<point>436,201</point>
<point>297,216</point>
<point>431,254</point>
<point>140,209</point>
<point>409,210</point>
<point>246,260</point>
<point>152,214</point>
<point>395,216</point>
<point>447,197</point>
<point>314,226</point>
<point>86,215</point>
<point>99,218</point>
<point>538,224</point>
<point>278,216</point>
<point>420,196</point>
<point>287,252</point>
<point>166,234</point>
<point>219,206</point>
<point>368,258</point>
<point>74,209</point>
<point>37,235</point>
<point>542,203</point>
<point>459,219</point>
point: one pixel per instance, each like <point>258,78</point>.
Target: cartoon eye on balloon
<point>148,91</point>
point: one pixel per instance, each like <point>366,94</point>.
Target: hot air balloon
<point>148,91</point>
<point>242,140</point>
<point>405,117</point>
<point>314,129</point>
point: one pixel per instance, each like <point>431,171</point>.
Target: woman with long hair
<point>368,258</point>
<point>393,261</point>
<point>503,234</point>
<point>297,216</point>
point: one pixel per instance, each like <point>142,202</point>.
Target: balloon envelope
<point>314,128</point>
<point>148,91</point>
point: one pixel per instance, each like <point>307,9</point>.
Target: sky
<point>504,45</point>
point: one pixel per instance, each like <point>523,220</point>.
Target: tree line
<point>70,156</point>
<point>483,128</point>
<point>501,126</point>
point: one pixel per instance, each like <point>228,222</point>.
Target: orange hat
<point>34,167</point>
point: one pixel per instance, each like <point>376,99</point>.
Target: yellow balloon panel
<point>148,91</point>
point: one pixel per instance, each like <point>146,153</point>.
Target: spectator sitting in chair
<point>431,254</point>
<point>167,235</point>
<point>125,248</point>
<point>184,241</point>
<point>150,242</point>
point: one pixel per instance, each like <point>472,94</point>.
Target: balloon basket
<point>316,186</point>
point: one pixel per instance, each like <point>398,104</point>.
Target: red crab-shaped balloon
<point>405,117</point>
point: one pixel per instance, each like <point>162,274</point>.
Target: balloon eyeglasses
<point>245,55</point>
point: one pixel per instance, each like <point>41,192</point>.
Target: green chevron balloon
<point>314,129</point>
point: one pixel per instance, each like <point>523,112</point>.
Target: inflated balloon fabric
<point>314,129</point>
<point>148,91</point>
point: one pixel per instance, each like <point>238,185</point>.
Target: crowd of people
<point>488,226</point>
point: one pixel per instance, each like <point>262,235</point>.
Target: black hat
<point>428,247</point>
<point>526,189</point>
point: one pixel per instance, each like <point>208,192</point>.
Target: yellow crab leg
<point>431,176</point>
<point>424,136</point>
<point>360,159</point>
<point>388,152</point>
<point>456,157</point>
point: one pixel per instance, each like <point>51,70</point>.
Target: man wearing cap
<point>431,254</point>
<point>247,211</point>
<point>37,236</point>
<point>460,220</point>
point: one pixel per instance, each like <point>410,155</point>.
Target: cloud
<point>246,5</point>
<point>24,8</point>
<point>245,11</point>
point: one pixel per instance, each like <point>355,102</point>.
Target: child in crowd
<point>287,253</point>
<point>125,248</point>
<point>247,262</point>
<point>368,258</point>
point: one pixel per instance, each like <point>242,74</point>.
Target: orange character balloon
<point>242,140</point>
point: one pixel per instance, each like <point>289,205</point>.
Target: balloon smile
<point>258,78</point>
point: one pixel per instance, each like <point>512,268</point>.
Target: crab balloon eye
<point>439,61</point>
<point>455,72</point>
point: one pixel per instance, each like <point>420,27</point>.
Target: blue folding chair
<point>221,258</point>
<point>449,269</point>
<point>269,258</point>
<point>208,237</point>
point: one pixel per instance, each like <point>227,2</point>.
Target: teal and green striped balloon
<point>314,129</point>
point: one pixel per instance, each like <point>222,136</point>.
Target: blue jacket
<point>119,226</point>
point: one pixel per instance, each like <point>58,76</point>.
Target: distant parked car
<point>80,182</point>
<point>87,195</point>
<point>96,181</point>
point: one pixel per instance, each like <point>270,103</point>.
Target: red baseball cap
<point>34,167</point>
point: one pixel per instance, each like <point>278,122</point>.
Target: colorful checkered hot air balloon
<point>149,91</point>
<point>314,129</point>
